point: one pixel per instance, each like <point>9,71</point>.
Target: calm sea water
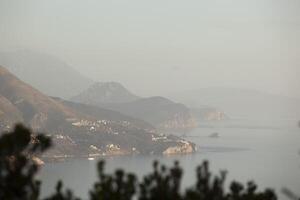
<point>267,152</point>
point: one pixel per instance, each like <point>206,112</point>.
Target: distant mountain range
<point>55,78</point>
<point>46,73</point>
<point>207,113</point>
<point>158,111</point>
<point>80,130</point>
<point>243,103</point>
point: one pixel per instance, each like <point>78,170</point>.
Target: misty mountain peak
<point>105,92</point>
<point>108,85</point>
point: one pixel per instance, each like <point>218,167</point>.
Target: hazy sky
<point>159,46</point>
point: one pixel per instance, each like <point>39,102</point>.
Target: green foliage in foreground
<point>18,169</point>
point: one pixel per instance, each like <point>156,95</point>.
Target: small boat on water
<point>91,158</point>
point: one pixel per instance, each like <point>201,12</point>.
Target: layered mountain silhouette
<point>243,103</point>
<point>105,92</point>
<point>77,129</point>
<point>158,111</point>
<point>102,113</point>
<point>45,72</point>
<point>54,77</point>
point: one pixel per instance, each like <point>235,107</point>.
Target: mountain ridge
<point>105,92</point>
<point>158,111</point>
<point>80,131</point>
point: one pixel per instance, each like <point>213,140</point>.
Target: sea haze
<point>135,81</point>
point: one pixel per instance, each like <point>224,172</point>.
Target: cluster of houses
<point>100,125</point>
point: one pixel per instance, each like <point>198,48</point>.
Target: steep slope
<point>79,130</point>
<point>101,113</point>
<point>37,110</point>
<point>105,92</point>
<point>159,111</point>
<point>9,114</point>
<point>44,72</point>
